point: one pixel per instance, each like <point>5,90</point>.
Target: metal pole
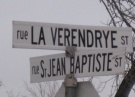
<point>70,84</point>
<point>70,81</point>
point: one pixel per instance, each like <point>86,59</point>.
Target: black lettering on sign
<point>124,40</point>
<point>35,69</point>
<point>41,64</point>
<point>60,36</point>
<point>99,64</point>
<point>22,34</point>
<point>32,36</point>
<point>73,37</point>
<point>118,62</point>
<point>67,37</point>
<point>90,38</point>
<point>108,62</point>
<point>89,62</point>
<point>93,62</point>
<point>113,39</point>
<point>54,35</point>
<point>72,61</point>
<point>104,60</point>
<point>49,75</point>
<point>63,66</point>
<point>41,36</point>
<point>84,61</point>
<point>61,69</point>
<point>58,67</point>
<point>77,65</point>
<point>53,67</point>
<point>120,58</point>
<point>81,37</point>
<point>106,38</point>
<point>43,74</point>
<point>98,36</point>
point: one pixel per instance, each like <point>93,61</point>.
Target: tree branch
<point>121,14</point>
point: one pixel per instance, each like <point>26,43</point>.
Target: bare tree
<point>44,89</point>
<point>11,94</point>
<point>1,83</point>
<point>122,14</point>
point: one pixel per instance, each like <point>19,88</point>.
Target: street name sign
<point>84,64</point>
<point>57,36</point>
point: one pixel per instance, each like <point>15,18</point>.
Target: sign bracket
<point>70,84</point>
<point>70,51</point>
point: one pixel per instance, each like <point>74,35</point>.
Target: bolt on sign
<point>58,36</point>
<point>84,64</point>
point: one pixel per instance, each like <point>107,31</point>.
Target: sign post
<point>70,84</point>
<point>70,81</point>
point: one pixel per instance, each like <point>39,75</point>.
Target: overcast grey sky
<point>14,63</point>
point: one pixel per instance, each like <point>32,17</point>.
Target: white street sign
<point>84,64</point>
<point>57,36</point>
<point>84,89</point>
